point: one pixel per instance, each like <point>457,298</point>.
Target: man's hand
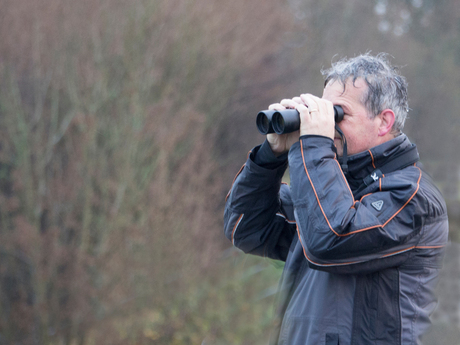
<point>316,116</point>
<point>281,143</point>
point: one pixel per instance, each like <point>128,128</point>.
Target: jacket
<point>362,252</point>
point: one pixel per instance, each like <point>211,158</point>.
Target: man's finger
<point>298,100</point>
<point>276,106</point>
<point>289,103</point>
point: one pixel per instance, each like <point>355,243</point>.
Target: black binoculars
<point>286,121</point>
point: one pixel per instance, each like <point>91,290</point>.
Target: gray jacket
<point>362,252</point>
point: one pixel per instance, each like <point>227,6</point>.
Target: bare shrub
<point>111,193</point>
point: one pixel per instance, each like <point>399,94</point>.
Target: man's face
<point>360,130</point>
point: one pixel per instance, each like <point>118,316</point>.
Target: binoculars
<point>286,121</point>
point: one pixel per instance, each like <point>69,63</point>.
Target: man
<point>361,227</point>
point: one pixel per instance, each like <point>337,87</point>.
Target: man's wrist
<point>306,136</point>
<point>265,157</point>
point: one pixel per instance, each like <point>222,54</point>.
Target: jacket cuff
<point>312,142</point>
<point>264,157</point>
<point>316,139</point>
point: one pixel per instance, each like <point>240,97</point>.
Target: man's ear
<point>387,119</point>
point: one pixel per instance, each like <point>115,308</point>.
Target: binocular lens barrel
<point>286,121</point>
<point>264,121</point>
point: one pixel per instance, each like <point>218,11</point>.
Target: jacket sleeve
<point>258,211</point>
<point>343,235</point>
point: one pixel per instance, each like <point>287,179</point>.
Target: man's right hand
<point>281,143</point>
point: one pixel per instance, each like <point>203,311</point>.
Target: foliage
<point>122,125</point>
<point>109,189</point>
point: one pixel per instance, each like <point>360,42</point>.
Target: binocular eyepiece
<point>286,121</point>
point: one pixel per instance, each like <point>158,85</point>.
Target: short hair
<point>387,88</point>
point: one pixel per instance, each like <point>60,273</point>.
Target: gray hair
<point>387,89</point>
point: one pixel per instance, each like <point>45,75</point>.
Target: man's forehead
<point>358,83</point>
<point>339,88</point>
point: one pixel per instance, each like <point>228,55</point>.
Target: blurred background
<point>122,125</point>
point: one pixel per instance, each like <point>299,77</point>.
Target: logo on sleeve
<point>378,205</point>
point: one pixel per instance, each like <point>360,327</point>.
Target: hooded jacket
<point>362,252</point>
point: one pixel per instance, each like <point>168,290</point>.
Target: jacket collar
<point>364,163</point>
